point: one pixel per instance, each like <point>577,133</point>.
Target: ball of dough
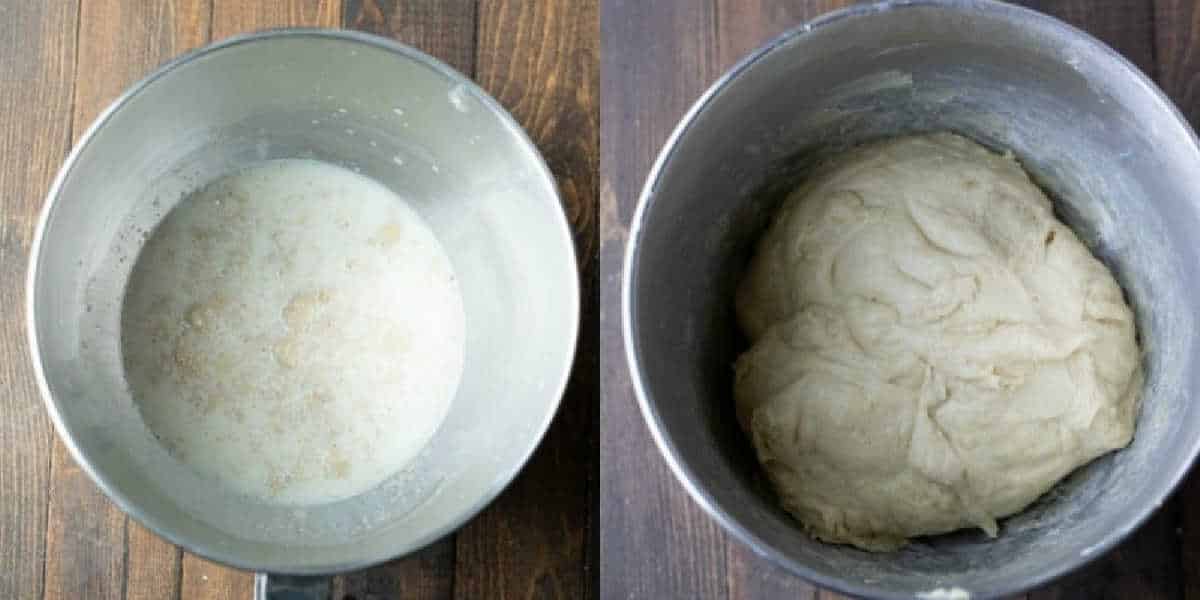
<point>931,349</point>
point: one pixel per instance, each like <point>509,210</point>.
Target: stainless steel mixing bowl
<point>368,104</point>
<point>1121,163</point>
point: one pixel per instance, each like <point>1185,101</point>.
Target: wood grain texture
<point>646,47</point>
<point>1126,25</point>
<point>90,543</point>
<point>231,17</point>
<point>153,566</point>
<point>1177,53</point>
<point>85,537</point>
<point>37,41</point>
<point>655,543</point>
<point>1147,565</point>
<point>200,578</point>
<point>59,536</point>
<point>445,29</point>
<point>540,59</point>
<point>744,26</point>
<point>1187,531</point>
<point>1177,62</point>
<point>426,575</point>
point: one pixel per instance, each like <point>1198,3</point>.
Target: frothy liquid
<point>293,331</point>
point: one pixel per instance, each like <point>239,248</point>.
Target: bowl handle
<point>292,587</point>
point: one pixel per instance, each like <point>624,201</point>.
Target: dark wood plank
<point>1126,25</point>
<point>426,575</point>
<point>92,545</point>
<point>1147,565</point>
<point>201,578</point>
<point>1177,54</point>
<point>1187,531</point>
<point>231,17</point>
<point>539,59</point>
<point>750,577</point>
<point>445,30</point>
<point>743,26</point>
<point>37,41</point>
<point>658,57</point>
<point>120,42</point>
<point>153,565</point>
<point>85,537</point>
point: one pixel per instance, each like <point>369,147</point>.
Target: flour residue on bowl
<point>293,331</point>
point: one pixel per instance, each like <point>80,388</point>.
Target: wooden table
<point>61,63</point>
<point>658,57</point>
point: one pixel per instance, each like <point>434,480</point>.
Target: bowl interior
<point>1096,135</point>
<point>423,131</point>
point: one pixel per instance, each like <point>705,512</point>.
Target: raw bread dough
<point>931,348</point>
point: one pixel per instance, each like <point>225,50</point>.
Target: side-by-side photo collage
<point>599,299</point>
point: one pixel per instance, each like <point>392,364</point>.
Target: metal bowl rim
<point>665,441</point>
<point>403,52</point>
